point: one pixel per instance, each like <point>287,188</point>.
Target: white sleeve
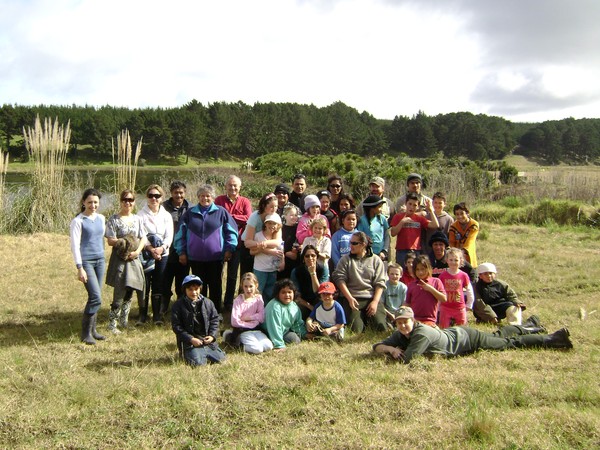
<point>75,234</point>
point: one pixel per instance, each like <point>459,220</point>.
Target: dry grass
<point>44,207</point>
<point>132,392</point>
<point>126,160</point>
<point>3,170</point>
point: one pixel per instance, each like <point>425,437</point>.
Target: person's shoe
<point>95,334</point>
<point>86,330</point>
<point>558,339</point>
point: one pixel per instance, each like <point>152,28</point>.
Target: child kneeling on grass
<point>283,319</point>
<point>327,318</point>
<point>247,315</point>
<point>195,322</point>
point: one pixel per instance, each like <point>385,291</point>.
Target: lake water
<point>104,179</point>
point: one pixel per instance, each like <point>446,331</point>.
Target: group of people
<point>308,266</point>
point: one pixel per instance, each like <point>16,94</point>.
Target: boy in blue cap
<point>195,322</point>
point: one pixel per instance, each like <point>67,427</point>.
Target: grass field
<point>132,392</point>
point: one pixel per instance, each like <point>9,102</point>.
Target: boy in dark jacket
<point>195,322</point>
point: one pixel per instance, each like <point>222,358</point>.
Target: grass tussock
<point>44,205</point>
<point>131,391</point>
<point>126,161</point>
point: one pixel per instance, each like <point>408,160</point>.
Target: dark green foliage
<point>236,130</point>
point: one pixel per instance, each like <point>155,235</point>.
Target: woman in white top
<point>158,224</point>
<point>87,245</point>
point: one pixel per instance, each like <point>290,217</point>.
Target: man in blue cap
<point>195,322</point>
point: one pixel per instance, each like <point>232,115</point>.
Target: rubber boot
<point>124,316</point>
<point>95,334</point>
<point>558,339</point>
<point>164,306</point>
<point>143,307</point>
<point>156,305</point>
<point>86,330</point>
<point>113,316</point>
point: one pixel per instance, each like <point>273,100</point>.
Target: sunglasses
<point>355,243</point>
<point>335,186</point>
<point>310,255</point>
<point>156,196</point>
<point>128,200</point>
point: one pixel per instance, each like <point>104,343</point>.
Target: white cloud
<point>386,57</point>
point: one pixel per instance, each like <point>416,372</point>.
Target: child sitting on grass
<point>327,318</point>
<point>247,315</point>
<point>495,299</point>
<point>283,319</point>
<point>454,310</point>
<point>394,294</point>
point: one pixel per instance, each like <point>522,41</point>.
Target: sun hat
<point>273,218</point>
<point>326,288</point>
<point>191,279</point>
<point>486,267</point>
<point>310,201</point>
<point>372,200</point>
<point>404,312</point>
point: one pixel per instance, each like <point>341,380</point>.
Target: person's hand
<point>208,340</point>
<point>310,326</point>
<point>425,286</point>
<point>227,256</point>
<point>383,256</point>
<point>196,342</point>
<point>133,255</point>
<point>183,260</point>
<point>312,265</point>
<point>396,353</point>
<point>82,275</point>
<point>326,331</point>
<point>428,205</point>
<point>278,350</point>
<point>353,303</point>
<point>371,308</point>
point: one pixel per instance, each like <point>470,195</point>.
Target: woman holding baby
<point>126,235</point>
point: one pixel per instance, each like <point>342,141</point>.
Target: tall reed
<point>47,208</point>
<point>3,170</point>
<point>126,161</point>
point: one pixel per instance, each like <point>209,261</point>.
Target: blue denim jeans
<point>200,356</point>
<point>95,273</point>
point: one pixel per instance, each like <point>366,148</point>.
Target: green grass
<point>132,392</point>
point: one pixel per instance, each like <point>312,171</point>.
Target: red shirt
<point>409,236</point>
<point>240,210</point>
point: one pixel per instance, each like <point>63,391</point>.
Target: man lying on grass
<point>413,338</point>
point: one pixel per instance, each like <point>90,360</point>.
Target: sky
<point>525,60</point>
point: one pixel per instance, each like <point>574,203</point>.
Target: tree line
<point>223,130</point>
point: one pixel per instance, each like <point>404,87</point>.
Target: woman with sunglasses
<point>158,225</point>
<point>360,277</point>
<point>307,277</point>
<point>336,188</point>
<point>126,235</point>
